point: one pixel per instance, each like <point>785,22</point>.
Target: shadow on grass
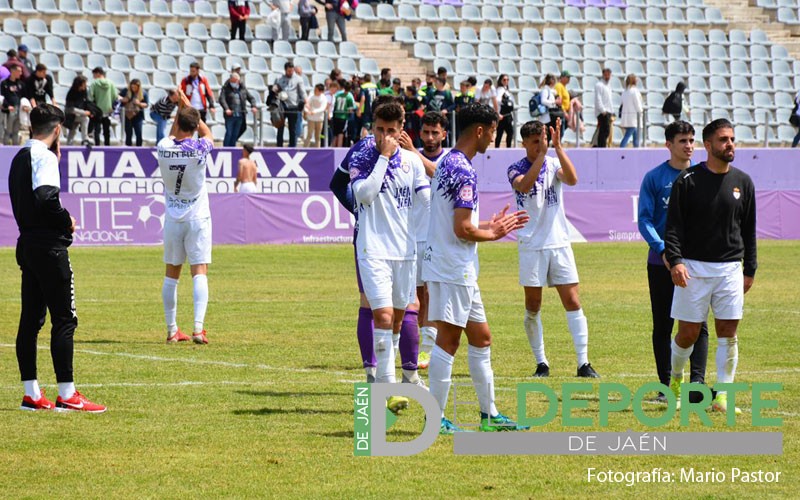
<point>296,411</point>
<point>280,394</point>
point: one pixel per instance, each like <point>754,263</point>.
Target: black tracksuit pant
<point>661,290</point>
<point>47,284</point>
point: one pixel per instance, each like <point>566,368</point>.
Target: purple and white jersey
<point>385,228</point>
<point>449,259</point>
<point>544,204</point>
<point>183,169</point>
<point>420,214</point>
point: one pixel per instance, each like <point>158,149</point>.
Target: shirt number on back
<point>181,169</point>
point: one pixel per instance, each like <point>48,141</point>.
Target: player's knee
<point>533,305</point>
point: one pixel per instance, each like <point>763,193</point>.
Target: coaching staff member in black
<point>711,249</point>
<point>45,232</point>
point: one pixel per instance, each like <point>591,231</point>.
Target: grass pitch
<point>266,409</point>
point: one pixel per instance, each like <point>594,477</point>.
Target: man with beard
<point>711,250</point>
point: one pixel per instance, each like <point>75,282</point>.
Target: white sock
<point>411,375</point>
<point>440,372</point>
<point>200,285</point>
<point>396,341</point>
<point>169,294</point>
<point>32,389</point>
<point>480,369</point>
<point>370,370</point>
<point>680,356</point>
<point>576,322</point>
<point>428,338</point>
<point>66,389</point>
<point>384,352</point>
<point>535,333</point>
<point>727,359</point>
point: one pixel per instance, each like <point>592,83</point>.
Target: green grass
<point>265,410</point>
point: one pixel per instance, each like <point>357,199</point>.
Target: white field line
<point>185,383</point>
<point>194,361</point>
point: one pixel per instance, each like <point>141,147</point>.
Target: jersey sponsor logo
<point>403,197</point>
<point>466,193</point>
<point>736,193</point>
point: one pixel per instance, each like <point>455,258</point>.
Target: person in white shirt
<point>631,109</point>
<point>187,225</point>
<point>315,115</point>
<point>387,182</point>
<point>547,96</point>
<point>450,267</point>
<point>603,108</point>
<point>545,254</point>
<point>487,95</point>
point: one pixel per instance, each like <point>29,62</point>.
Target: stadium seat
<point>42,6</point>
<point>347,66</point>
<point>718,37</point>
<point>220,31</point>
<point>718,83</point>
<point>53,44</point>
<point>448,13</point>
<point>261,48</point>
<point>51,61</point>
<point>444,51</point>
<point>423,51</point>
<point>364,12</point>
<point>175,31</point>
<point>428,13</point>
<point>65,77</point>
<point>511,14</point>
<point>385,12</point>
<point>714,16</point>
<point>424,34</point>
<point>465,67</point>
<point>159,8</point>
<point>403,34</point>
<point>408,13</point>
<point>761,82</point>
<point>742,101</point>
<point>471,13</point>
<point>102,45</point>
<point>120,62</point>
<point>23,7</point>
<point>184,10</point>
<point>74,62</point>
<point>148,46</point>
<point>324,65</point>
<point>448,34</point>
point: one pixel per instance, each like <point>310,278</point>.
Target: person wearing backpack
<point>794,119</point>
<point>506,103</point>
<point>673,105</point>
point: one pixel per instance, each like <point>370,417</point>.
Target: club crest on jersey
<point>406,166</point>
<point>466,193</point>
<point>736,193</point>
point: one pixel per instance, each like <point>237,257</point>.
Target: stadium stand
<point>743,64</point>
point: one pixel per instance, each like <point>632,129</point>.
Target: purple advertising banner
<point>318,218</point>
<point>117,196</point>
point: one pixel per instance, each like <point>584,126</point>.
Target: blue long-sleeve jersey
<point>653,203</point>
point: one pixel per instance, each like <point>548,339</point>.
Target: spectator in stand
<point>334,17</point>
<point>240,13</point>
<point>602,109</point>
<point>464,97</point>
<point>134,102</point>
<point>197,89</point>
<point>355,119</point>
<point>440,99</point>
<point>441,72</point>
<point>549,99</point>
<point>40,86</point>
<point>343,107</point>
<point>12,90</point>
<point>794,119</point>
<point>315,109</point>
<point>369,92</point>
<point>630,110</point>
<point>308,18</point>
<point>506,103</point>
<point>233,98</point>
<point>412,106</point>
<point>386,74</point>
<point>285,7</point>
<point>487,95</point>
<point>103,93</point>
<point>27,59</point>
<point>675,105</point>
<point>294,103</point>
<point>563,94</point>
<point>76,110</point>
<point>161,111</point>
<point>298,128</point>
<point>14,61</point>
<point>429,87</point>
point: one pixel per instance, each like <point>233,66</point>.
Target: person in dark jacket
<point>40,86</point>
<point>234,98</point>
<point>240,13</point>
<point>673,104</point>
<point>77,110</point>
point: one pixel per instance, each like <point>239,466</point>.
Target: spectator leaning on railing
<point>630,110</point>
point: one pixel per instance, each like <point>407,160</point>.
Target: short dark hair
<point>99,71</point>
<point>384,83</point>
<point>195,64</point>
<point>396,81</point>
<point>367,77</point>
<point>44,119</point>
<point>347,85</point>
<point>320,87</point>
<point>715,125</point>
<point>287,65</point>
<point>476,114</point>
<point>386,99</point>
<point>433,118</point>
<point>440,70</point>
<point>188,119</point>
<point>472,81</point>
<point>530,128</point>
<point>249,148</point>
<point>40,67</point>
<point>678,127</point>
<point>390,112</point>
<point>11,53</point>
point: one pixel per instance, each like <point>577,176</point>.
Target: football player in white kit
<point>450,268</point>
<point>187,225</point>
<point>545,254</point>
<point>387,182</point>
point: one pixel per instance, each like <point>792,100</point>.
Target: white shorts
<point>455,304</point>
<point>724,294</point>
<point>388,283</point>
<point>187,239</point>
<point>551,267</point>
<point>420,255</point>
